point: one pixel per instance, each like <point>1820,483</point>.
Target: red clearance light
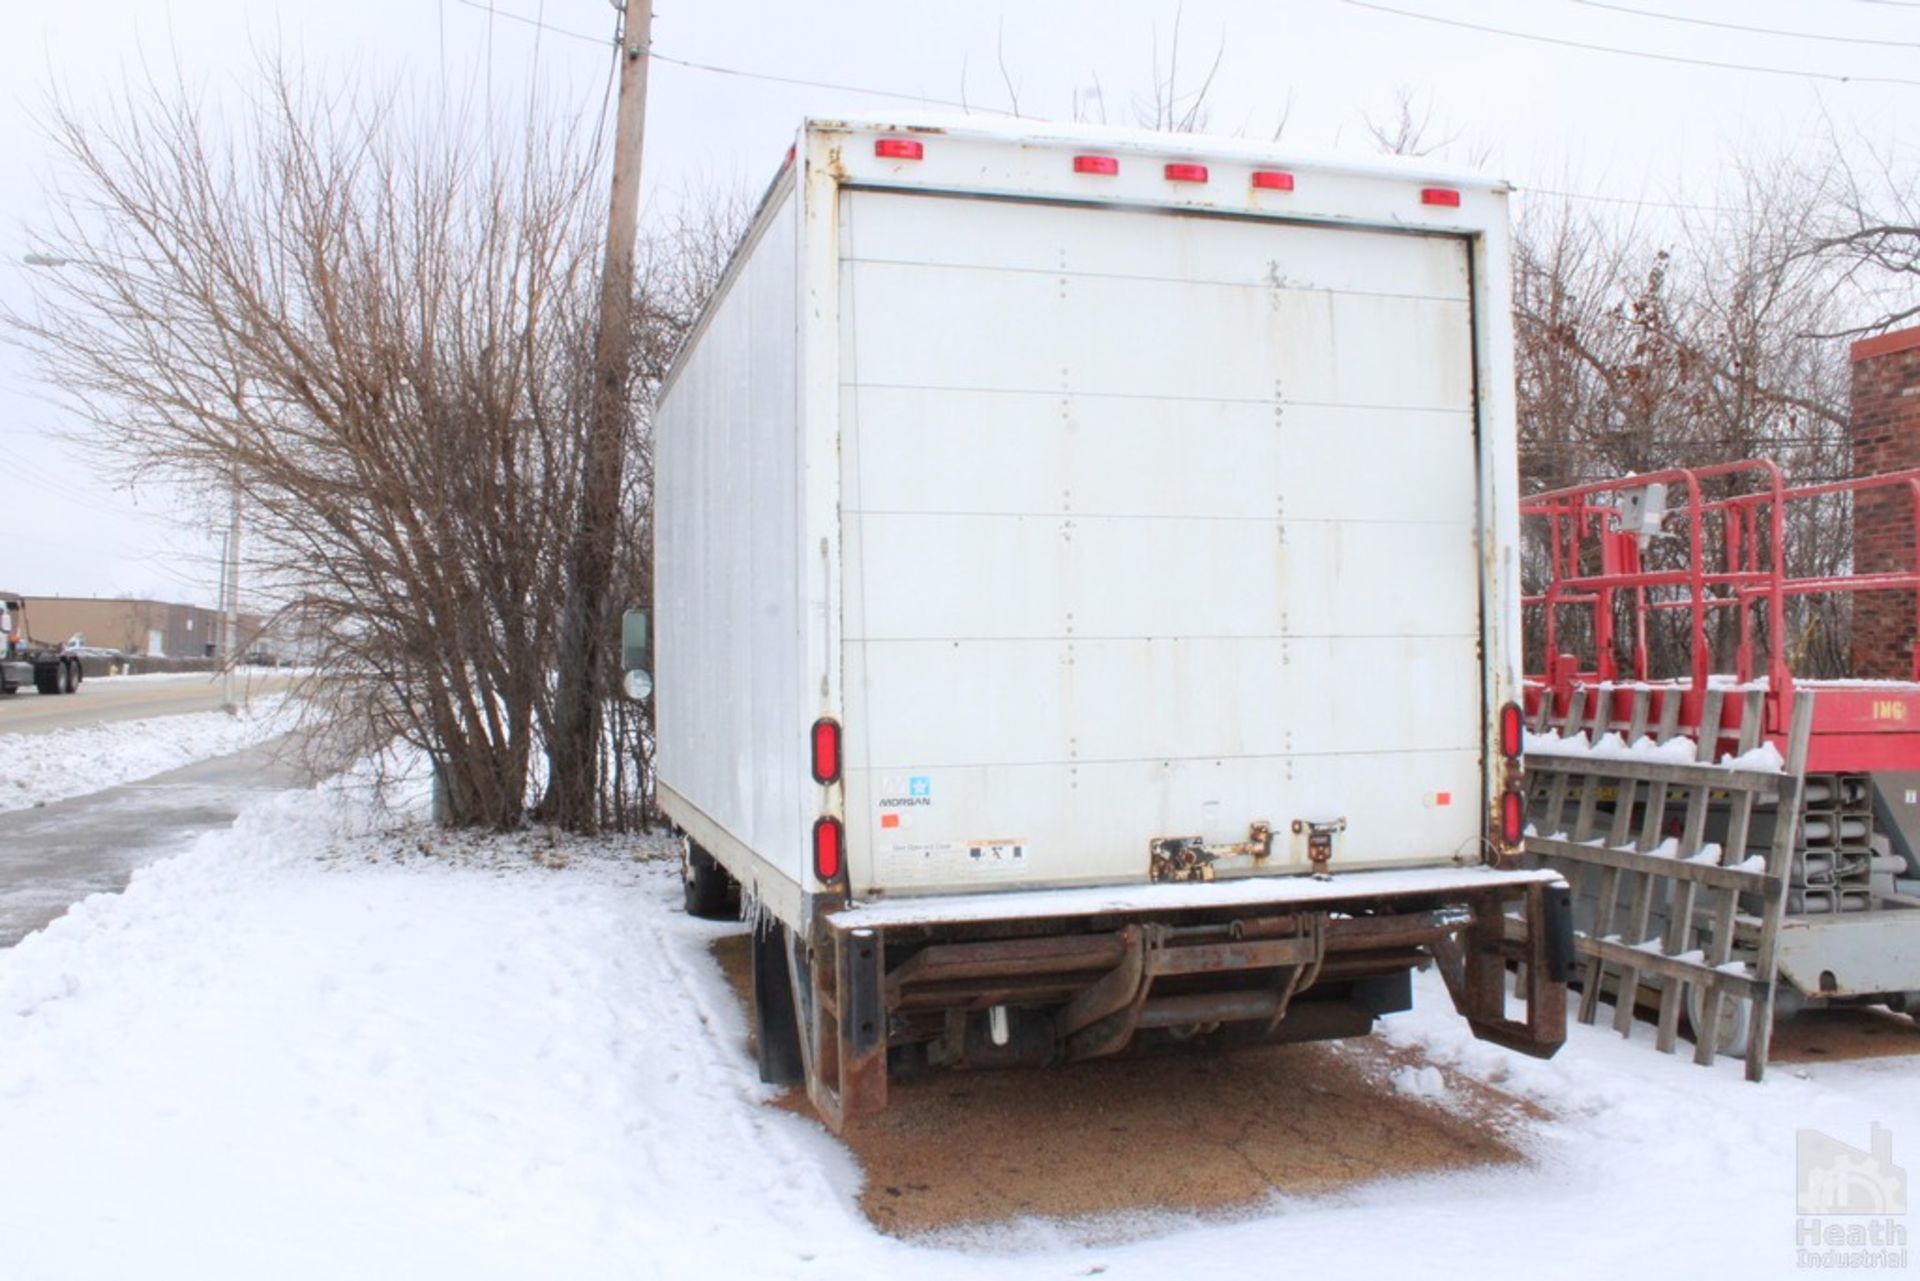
<point>1273,180</point>
<point>1096,164</point>
<point>1512,740</point>
<point>1444,196</point>
<point>898,149</point>
<point>827,842</point>
<point>1513,816</point>
<point>826,750</point>
<point>1186,173</point>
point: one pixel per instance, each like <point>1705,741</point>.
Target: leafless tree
<point>1170,108</point>
<point>1868,232</point>
<point>1407,131</point>
<point>1646,343</point>
<point>375,319</point>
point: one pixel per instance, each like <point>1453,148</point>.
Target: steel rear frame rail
<point>995,994</point>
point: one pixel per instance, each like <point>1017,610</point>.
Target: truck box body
<point>1100,504</point>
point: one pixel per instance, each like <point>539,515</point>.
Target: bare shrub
<point>375,319</point>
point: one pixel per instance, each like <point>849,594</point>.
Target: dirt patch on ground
<point>1811,1036</point>
<point>1194,1132</point>
<point>1830,1036</point>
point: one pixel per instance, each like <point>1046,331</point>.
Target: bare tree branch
<point>376,321</point>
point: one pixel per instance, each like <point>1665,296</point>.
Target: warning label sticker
<point>952,862</point>
<point>998,850</point>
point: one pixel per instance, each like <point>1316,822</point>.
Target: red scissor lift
<point>1693,564</point>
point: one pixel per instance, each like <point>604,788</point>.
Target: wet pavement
<point>54,855</point>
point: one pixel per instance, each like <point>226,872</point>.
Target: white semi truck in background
<point>1086,602</point>
<point>51,669</point>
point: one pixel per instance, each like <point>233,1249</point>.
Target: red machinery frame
<point>1858,726</point>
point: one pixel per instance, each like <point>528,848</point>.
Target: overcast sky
<point>1602,125</point>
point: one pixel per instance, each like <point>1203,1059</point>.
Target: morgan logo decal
<point>919,792</point>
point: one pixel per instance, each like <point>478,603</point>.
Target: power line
<point>716,69</point>
<point>492,12</point>
<point>1636,202</point>
<point>606,91</point>
<point>1759,31</point>
<point>1632,53</point>
<point>820,84</point>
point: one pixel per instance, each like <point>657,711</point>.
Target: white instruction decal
<point>911,862</point>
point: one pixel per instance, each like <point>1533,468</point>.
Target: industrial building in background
<point>146,628</point>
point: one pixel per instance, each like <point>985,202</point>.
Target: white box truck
<point>1086,602</point>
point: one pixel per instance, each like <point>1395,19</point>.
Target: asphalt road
<point>111,698</point>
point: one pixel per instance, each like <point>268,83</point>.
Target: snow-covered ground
<point>327,1044</point>
<point>58,763</point>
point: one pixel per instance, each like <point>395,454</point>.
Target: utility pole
<point>230,600</point>
<point>230,566</point>
<point>573,785</point>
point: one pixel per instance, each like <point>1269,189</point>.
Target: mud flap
<point>1557,921</point>
<point>776,1025</point>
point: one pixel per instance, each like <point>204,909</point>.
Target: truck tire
<point>776,1024</point>
<point>1736,1022</point>
<point>46,678</point>
<point>707,885</point>
<point>70,671</point>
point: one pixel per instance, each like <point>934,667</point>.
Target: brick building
<point>1886,438</point>
<point>149,627</point>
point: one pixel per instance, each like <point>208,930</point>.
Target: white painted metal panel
<point>1052,700</point>
<point>1001,453</point>
<point>1025,237</point>
<point>730,695</point>
<point>940,576</point>
<point>1088,824</point>
<point>1153,525</point>
<point>1135,336</point>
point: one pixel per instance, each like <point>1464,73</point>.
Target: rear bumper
<point>1157,898</point>
<point>1063,975</point>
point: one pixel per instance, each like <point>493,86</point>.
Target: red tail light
<point>1273,180</point>
<point>1513,816</point>
<point>1512,736</point>
<point>826,750</point>
<point>1445,197</point>
<point>1186,173</point>
<point>898,149</point>
<point>1096,164</point>
<point>828,838</point>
